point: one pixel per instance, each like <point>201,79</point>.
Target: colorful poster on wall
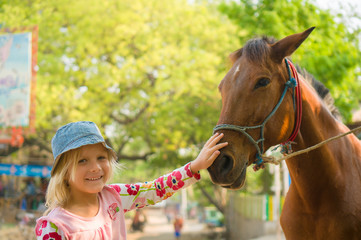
<point>15,79</point>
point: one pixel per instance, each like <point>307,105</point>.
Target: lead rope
<point>273,160</point>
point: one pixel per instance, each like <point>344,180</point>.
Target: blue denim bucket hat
<point>74,135</point>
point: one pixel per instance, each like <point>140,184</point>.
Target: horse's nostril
<point>226,164</point>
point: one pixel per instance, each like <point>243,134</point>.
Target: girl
<point>81,205</point>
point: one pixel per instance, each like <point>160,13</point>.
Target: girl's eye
<point>82,161</point>
<point>102,158</point>
<point>262,83</point>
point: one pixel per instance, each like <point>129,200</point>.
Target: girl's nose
<point>95,167</point>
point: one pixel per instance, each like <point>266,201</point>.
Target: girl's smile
<point>94,179</point>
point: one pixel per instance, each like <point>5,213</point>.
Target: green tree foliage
<point>331,53</point>
<point>145,71</point>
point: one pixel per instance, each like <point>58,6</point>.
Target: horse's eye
<point>262,83</point>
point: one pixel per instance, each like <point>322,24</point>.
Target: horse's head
<point>250,91</point>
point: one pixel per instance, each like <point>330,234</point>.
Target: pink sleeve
<point>139,195</point>
<point>48,230</point>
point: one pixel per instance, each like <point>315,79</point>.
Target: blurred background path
<point>158,228</point>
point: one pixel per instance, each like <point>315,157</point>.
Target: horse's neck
<point>327,167</point>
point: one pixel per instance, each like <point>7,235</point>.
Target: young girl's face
<point>92,170</point>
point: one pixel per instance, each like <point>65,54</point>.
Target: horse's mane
<point>322,91</point>
<point>256,49</point>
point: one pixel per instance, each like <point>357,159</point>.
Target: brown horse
<point>260,110</point>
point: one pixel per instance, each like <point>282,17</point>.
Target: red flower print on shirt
<point>190,174</point>
<point>52,236</point>
<point>159,186</point>
<point>112,210</point>
<point>197,176</point>
<point>38,228</point>
<point>132,189</point>
<point>174,180</point>
<point>115,187</point>
<point>188,170</point>
<point>139,203</point>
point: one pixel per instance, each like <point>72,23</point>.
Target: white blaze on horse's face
<point>236,71</point>
<point>250,91</point>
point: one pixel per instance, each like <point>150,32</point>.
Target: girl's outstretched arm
<point>139,195</point>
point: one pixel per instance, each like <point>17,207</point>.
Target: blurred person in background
<point>178,225</point>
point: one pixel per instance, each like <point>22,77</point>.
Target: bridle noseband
<point>293,83</point>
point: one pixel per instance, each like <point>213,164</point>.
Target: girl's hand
<point>208,153</point>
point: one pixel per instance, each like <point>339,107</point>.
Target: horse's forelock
<point>258,49</point>
<point>255,50</point>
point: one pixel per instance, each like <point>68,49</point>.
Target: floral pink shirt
<point>115,200</point>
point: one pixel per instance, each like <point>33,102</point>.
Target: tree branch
<point>39,143</point>
<point>127,119</point>
<point>134,157</point>
<point>211,199</point>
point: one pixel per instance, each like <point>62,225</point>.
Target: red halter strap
<point>298,99</point>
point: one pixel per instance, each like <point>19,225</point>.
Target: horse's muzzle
<point>227,173</point>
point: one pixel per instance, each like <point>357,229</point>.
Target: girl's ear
<point>66,179</point>
<point>68,175</point>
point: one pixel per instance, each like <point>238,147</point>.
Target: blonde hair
<point>58,192</point>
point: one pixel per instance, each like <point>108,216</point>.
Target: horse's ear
<point>235,55</point>
<point>286,46</point>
